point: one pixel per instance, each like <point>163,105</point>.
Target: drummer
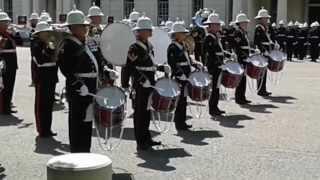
<point>180,63</point>
<point>263,41</point>
<point>93,41</point>
<point>142,70</point>
<point>215,55</point>
<point>81,69</point>
<point>242,49</point>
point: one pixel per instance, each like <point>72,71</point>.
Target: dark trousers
<point>33,71</point>
<point>215,93</point>
<point>9,78</point>
<point>141,115</point>
<point>79,131</point>
<point>302,51</point>
<point>262,83</point>
<point>290,52</point>
<point>198,52</point>
<point>240,93</point>
<point>180,115</point>
<point>314,51</point>
<point>43,106</point>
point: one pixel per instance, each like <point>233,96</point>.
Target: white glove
<point>1,84</point>
<point>277,46</point>
<point>167,69</point>
<point>113,74</point>
<point>257,51</point>
<point>146,84</point>
<point>182,77</point>
<point>266,53</point>
<point>84,91</point>
<point>199,65</point>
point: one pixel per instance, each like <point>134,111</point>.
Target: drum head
<point>115,97</point>
<point>167,88</point>
<point>258,61</point>
<point>233,68</point>
<point>79,162</point>
<point>277,55</point>
<point>199,79</point>
<point>160,41</point>
<point>115,42</point>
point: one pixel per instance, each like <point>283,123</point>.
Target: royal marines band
<point>79,57</point>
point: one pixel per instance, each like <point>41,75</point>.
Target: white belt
<point>152,68</point>
<point>50,64</point>
<point>266,43</point>
<point>183,64</point>
<point>290,36</point>
<point>8,50</point>
<point>281,35</point>
<point>220,54</point>
<point>244,47</point>
<point>314,37</point>
<point>301,37</point>
<point>86,75</point>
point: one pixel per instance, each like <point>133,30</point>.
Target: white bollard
<point>79,166</point>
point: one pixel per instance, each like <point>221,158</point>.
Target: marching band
<point>79,56</point>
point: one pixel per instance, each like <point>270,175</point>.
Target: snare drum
<point>199,86</point>
<point>256,66</point>
<point>231,75</point>
<point>165,96</point>
<point>276,61</point>
<point>110,111</point>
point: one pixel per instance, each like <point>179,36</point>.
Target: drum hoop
<point>108,108</point>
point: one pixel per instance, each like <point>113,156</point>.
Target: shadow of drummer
<point>198,137</point>
<point>259,108</point>
<point>232,121</point>
<point>50,146</point>
<point>281,99</point>
<point>159,159</point>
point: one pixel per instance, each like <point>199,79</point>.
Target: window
<point>128,7</point>
<point>96,2</point>
<point>163,10</point>
<point>8,7</point>
<point>196,5</point>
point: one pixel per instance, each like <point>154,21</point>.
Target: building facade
<point>158,10</point>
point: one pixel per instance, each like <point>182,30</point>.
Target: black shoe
<point>9,112</point>
<point>264,94</point>
<point>154,143</point>
<point>243,102</point>
<point>221,111</point>
<point>143,147</point>
<point>215,113</point>
<point>2,169</point>
<point>49,134</point>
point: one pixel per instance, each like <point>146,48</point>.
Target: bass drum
<point>160,40</point>
<point>116,40</point>
<point>276,61</point>
<point>256,66</point>
<point>199,86</point>
<point>165,96</point>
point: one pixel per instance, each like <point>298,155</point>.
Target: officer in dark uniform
<point>302,38</point>
<point>281,36</point>
<point>290,40</point>
<point>180,63</point>
<point>81,69</point>
<point>9,55</point>
<point>214,53</point>
<point>142,70</point>
<point>34,18</point>
<point>314,38</point>
<point>47,77</point>
<point>297,29</point>
<point>263,41</point>
<point>242,49</point>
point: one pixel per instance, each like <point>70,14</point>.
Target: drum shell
<point>197,93</point>
<point>109,117</point>
<point>163,104</point>
<point>254,72</point>
<point>275,66</point>
<point>230,80</point>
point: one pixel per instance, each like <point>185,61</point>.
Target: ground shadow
<point>50,146</point>
<point>231,121</point>
<point>159,159</point>
<point>58,106</point>
<point>24,125</point>
<point>121,174</point>
<point>260,108</point>
<point>2,176</point>
<point>281,99</point>
<point>9,120</point>
<point>197,137</point>
<point>128,133</point>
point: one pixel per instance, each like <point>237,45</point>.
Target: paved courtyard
<point>275,138</point>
